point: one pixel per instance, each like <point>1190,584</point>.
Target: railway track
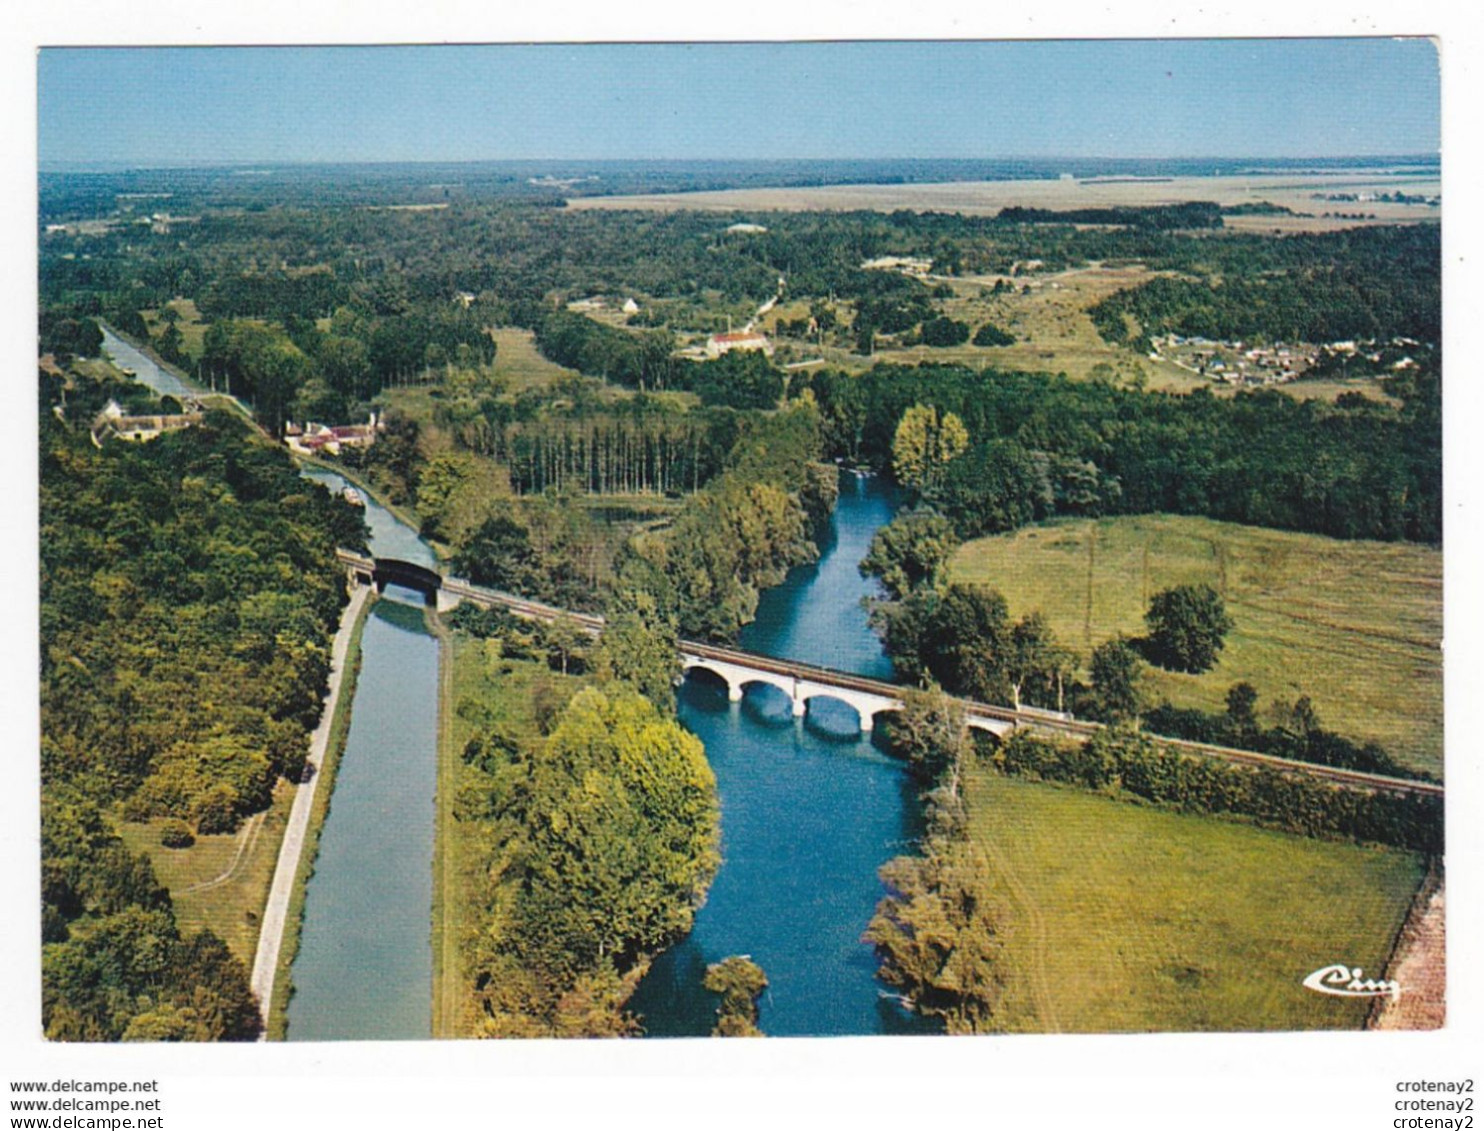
<point>1044,721</point>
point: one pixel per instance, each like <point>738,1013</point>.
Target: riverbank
<point>404,515</point>
<point>281,919</point>
<point>446,904</point>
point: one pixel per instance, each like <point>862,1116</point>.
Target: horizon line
<point>206,164</point>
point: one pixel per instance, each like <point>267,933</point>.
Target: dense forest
<point>1385,285</point>
<point>1044,446</point>
<point>188,590</point>
<point>602,836</point>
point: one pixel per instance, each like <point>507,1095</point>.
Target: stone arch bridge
<point>805,682</point>
<point>870,698</point>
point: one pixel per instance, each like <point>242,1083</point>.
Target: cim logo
<point>1340,980</point>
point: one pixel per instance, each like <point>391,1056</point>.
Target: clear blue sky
<point>1170,98</point>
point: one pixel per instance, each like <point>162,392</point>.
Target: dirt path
<point>1040,980</point>
<point>275,914</point>
<point>246,840</point>
<point>1418,967</point>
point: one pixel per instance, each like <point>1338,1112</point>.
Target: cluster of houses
<point>325,439</point>
<point>113,423</point>
<point>1238,364</point>
<point>1235,363</point>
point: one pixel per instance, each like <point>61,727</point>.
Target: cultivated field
<point>1128,918</point>
<point>1356,626</point>
<point>221,882</point>
<point>985,198</point>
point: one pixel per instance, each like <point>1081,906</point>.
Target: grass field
<point>1127,918</point>
<point>192,328</point>
<point>221,881</point>
<point>1356,626</point>
<point>519,362</point>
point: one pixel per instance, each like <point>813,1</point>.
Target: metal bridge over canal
<point>870,698</point>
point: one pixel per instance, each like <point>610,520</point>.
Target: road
<point>275,914</point>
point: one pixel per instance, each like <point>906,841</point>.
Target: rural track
<point>281,889</point>
<point>245,843</point>
<point>996,861</point>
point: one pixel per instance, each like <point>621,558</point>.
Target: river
<point>810,810</point>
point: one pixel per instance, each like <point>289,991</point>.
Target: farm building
<point>718,344</point>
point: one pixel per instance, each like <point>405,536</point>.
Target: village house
<point>911,266</point>
<point>114,424</point>
<point>718,344</point>
<point>316,439</point>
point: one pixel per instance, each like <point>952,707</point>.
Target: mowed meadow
<point>220,882</point>
<point>1356,626</point>
<point>1121,917</point>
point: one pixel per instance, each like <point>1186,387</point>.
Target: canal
<point>810,810</point>
<point>364,969</point>
<point>142,366</point>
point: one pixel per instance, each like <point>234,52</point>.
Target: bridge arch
<point>865,717</point>
<point>409,575</point>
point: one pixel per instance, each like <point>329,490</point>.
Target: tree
<point>938,937</point>
<point>967,645</point>
<point>641,648</point>
<point>1187,627</point>
<point>924,445</point>
<point>944,331</point>
<point>996,486</point>
<point>1117,671</point>
<point>929,734</point>
<point>498,554</point>
<point>1241,712</point>
<point>1036,663</point>
<point>740,982</point>
<point>623,829</point>
<point>566,642</point>
<point>991,335</point>
<point>909,552</point>
<point>170,341</point>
